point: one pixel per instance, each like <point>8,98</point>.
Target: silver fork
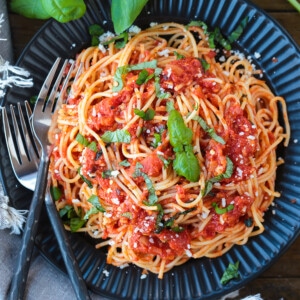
<point>41,121</point>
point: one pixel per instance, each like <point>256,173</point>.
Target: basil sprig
<point>123,70</point>
<point>210,131</point>
<point>230,273</point>
<point>117,136</point>
<point>152,198</point>
<point>227,174</point>
<point>186,163</point>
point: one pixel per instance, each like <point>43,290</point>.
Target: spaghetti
<point>165,149</point>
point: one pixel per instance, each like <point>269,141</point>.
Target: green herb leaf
<point>145,115</point>
<point>152,198</point>
<point>187,165</point>
<point>124,13</point>
<point>76,223</point>
<point>64,10</point>
<point>236,33</point>
<point>96,30</point>
<point>127,215</point>
<point>178,55</point>
<point>97,207</point>
<point>211,132</point>
<point>205,65</point>
<point>144,77</point>
<point>56,193</point>
<point>93,146</point>
<point>117,136</point>
<point>82,140</point>
<point>227,174</point>
<point>123,70</point>
<point>29,9</point>
<point>179,133</point>
<point>221,211</point>
<point>89,184</point>
<point>230,273</point>
<point>124,163</point>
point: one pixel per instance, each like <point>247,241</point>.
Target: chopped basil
<point>210,131</point>
<point>76,223</point>
<point>56,193</point>
<point>89,184</point>
<point>124,163</point>
<point>120,40</point>
<point>66,210</point>
<point>95,31</point>
<point>205,65</point>
<point>170,222</point>
<point>145,115</point>
<point>82,140</point>
<point>127,215</point>
<point>93,146</point>
<point>223,210</point>
<point>227,174</point>
<point>126,69</point>
<point>178,55</point>
<point>117,136</point>
<point>152,198</point>
<point>97,207</point>
<point>157,140</point>
<point>230,273</point>
<point>236,33</point>
<point>144,77</point>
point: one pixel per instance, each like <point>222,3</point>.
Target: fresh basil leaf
<point>144,77</point>
<point>226,175</point>
<point>124,13</point>
<point>205,65</point>
<point>187,165</point>
<point>65,210</point>
<point>96,30</point>
<point>179,133</point>
<point>56,193</point>
<point>124,163</point>
<point>127,215</point>
<point>222,210</point>
<point>152,197</point>
<point>147,115</point>
<point>178,55</point>
<point>211,132</point>
<point>237,32</point>
<point>89,184</point>
<point>64,10</point>
<point>123,70</point>
<point>76,223</point>
<point>169,106</point>
<point>97,207</point>
<point>82,140</point>
<point>117,136</point>
<point>230,273</point>
<point>29,9</point>
<point>93,146</point>
<point>201,24</point>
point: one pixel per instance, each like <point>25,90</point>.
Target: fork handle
<point>67,253</point>
<point>19,279</point>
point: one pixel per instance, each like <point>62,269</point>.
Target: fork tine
<point>49,102</point>
<point>9,139</point>
<point>21,148</point>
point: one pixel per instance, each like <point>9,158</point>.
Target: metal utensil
<point>42,119</point>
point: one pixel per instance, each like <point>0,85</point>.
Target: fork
<point>41,121</point>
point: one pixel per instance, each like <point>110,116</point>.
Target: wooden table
<point>282,280</point>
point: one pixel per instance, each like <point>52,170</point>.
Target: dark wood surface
<point>282,280</point>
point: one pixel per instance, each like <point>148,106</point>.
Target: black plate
<point>196,279</point>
